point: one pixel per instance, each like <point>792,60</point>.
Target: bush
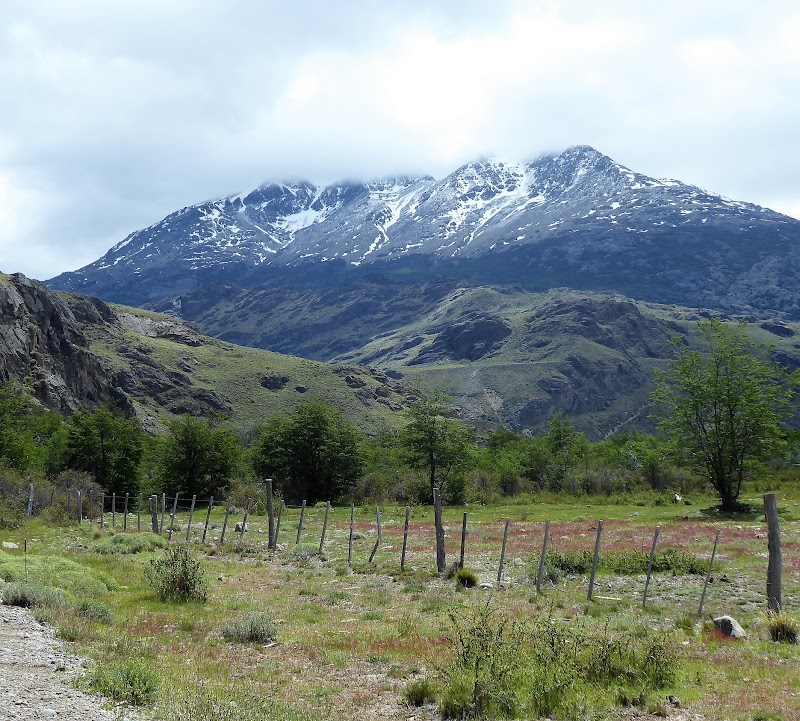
<point>305,551</point>
<point>256,627</point>
<point>466,578</point>
<point>503,668</point>
<point>783,628</point>
<point>419,692</point>
<point>177,576</point>
<point>132,681</point>
<point>70,576</point>
<point>129,543</point>
<point>93,611</point>
<point>33,595</point>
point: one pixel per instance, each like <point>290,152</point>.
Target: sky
<point>115,114</point>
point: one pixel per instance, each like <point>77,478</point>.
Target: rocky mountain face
<point>42,343</point>
<point>72,350</point>
<point>575,219</point>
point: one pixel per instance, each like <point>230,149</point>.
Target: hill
<point>66,350</point>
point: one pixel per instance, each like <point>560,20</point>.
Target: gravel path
<point>36,675</point>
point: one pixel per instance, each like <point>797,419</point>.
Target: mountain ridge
<point>577,211</point>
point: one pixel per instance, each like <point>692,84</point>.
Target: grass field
<point>351,639</point>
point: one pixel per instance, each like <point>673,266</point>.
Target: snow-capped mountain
<point>577,208</point>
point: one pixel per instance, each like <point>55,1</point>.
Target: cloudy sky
<point>117,113</point>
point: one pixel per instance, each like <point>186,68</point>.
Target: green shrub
<point>419,692</point>
<point>783,628</point>
<point>305,551</point>
<point>177,576</point>
<point>12,513</point>
<point>72,577</point>
<point>131,681</point>
<point>33,595</point>
<point>503,668</point>
<point>466,578</point>
<point>129,543</point>
<point>93,611</point>
<point>256,627</point>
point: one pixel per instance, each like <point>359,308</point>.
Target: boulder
<point>10,545</point>
<point>729,626</point>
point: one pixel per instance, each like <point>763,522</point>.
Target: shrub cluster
<point>255,627</point>
<point>131,681</point>
<point>177,576</point>
<point>503,668</point>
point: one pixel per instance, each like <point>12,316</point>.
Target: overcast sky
<point>116,113</point>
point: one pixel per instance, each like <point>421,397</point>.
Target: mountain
<point>575,219</point>
<point>72,350</point>
<point>508,355</point>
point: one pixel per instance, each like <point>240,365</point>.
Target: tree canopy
<point>107,445</point>
<point>723,406</point>
<point>313,454</point>
<point>437,445</point>
<point>198,456</point>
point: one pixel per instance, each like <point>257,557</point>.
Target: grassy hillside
<point>168,367</point>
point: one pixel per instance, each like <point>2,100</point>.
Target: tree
<point>724,407</point>
<point>436,445</point>
<point>566,447</point>
<point>313,454</point>
<point>107,445</point>
<point>197,457</point>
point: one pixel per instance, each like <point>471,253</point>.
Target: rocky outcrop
<point>46,346</point>
<point>43,346</point>
<point>470,339</point>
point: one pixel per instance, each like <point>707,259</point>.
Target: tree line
<point>720,411</point>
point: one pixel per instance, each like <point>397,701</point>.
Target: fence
<point>160,513</point>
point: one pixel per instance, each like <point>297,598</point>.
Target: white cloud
<point>125,111</point>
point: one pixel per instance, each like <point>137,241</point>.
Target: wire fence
<point>193,520</point>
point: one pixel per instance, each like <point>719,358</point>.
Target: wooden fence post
<point>208,517</point>
<point>324,526</point>
<point>463,540</point>
<point>225,522</point>
<point>708,575</point>
<point>164,509</point>
<point>503,553</point>
<point>405,540</point>
<point>380,534</point>
<point>113,510</point>
<point>80,508</point>
<point>153,512</point>
<point>29,509</point>
<point>350,540</point>
<point>191,513</point>
<point>91,507</point>
<point>300,525</point>
<point>69,501</point>
<point>103,511</point>
<point>441,561</point>
<point>595,558</point>
<point>650,565</point>
<point>244,521</point>
<point>270,516</point>
<point>125,520</point>
<point>775,566</point>
<point>543,556</point>
<point>139,513</point>
<point>278,524</point>
<point>172,516</point>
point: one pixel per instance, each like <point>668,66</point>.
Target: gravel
<point>37,675</point>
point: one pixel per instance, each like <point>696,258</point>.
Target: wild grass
<point>254,627</point>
